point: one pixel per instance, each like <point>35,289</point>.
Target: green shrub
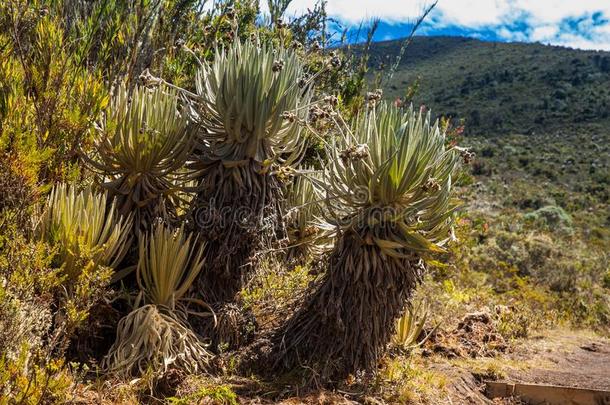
<point>27,282</point>
<point>49,98</point>
<point>30,379</point>
<point>550,217</point>
<point>18,194</point>
<point>22,322</point>
<point>30,373</point>
<point>217,394</point>
<point>606,282</point>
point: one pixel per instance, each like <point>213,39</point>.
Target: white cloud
<point>474,13</point>
<point>543,16</point>
<point>553,11</point>
<point>355,11</point>
<point>464,12</point>
<point>574,41</point>
<point>544,32</point>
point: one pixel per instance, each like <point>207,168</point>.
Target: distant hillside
<point>502,87</point>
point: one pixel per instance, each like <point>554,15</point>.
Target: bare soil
<point>565,358</point>
<point>560,357</point>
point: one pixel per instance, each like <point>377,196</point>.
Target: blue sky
<point>583,24</point>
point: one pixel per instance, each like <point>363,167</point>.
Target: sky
<point>583,24</point>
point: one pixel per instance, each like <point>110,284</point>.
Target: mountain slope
<point>502,88</point>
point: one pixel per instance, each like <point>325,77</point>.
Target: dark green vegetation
<point>502,88</point>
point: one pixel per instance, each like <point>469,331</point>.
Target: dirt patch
<point>319,398</point>
<point>565,358</point>
<point>462,386</point>
<point>474,336</point>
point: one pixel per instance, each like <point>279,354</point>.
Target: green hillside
<point>502,87</point>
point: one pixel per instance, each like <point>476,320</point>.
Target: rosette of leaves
<point>388,192</point>
<point>157,335</point>
<point>249,107</point>
<point>410,326</point>
<point>84,225</point>
<point>142,145</point>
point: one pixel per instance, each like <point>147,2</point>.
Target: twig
<point>408,40</point>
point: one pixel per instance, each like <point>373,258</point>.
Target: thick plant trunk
<point>346,324</point>
<point>238,214</point>
<point>142,198</point>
